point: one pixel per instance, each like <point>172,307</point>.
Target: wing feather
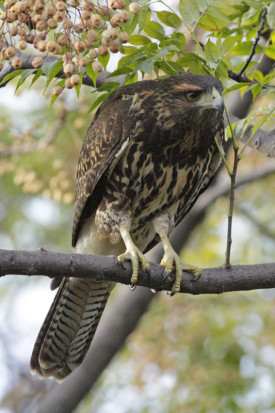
<point>102,148</point>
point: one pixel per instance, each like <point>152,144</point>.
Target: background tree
<point>219,346</point>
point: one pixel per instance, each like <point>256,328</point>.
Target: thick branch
<point>212,280</point>
<point>262,141</point>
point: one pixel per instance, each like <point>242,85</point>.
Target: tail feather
<point>69,327</point>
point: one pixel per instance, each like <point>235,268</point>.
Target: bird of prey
<point>148,154</point>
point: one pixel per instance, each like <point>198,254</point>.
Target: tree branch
<point>262,141</point>
<point>212,280</point>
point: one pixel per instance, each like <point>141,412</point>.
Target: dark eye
<point>193,96</point>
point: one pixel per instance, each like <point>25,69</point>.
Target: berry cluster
<point>79,31</point>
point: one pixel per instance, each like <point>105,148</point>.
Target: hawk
<point>148,154</point>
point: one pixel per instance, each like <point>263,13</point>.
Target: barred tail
<point>69,327</point>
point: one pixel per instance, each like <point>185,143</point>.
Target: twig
<point>256,41</point>
<point>47,140</point>
<point>241,76</point>
<point>231,208</point>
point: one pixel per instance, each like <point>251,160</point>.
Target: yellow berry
<point>52,23</point>
<point>68,68</point>
<point>97,67</point>
<point>114,47</point>
<point>60,6</point>
<point>96,21</point>
<point>16,62</point>
<point>79,46</point>
<point>123,37</point>
<point>68,83</point>
<point>57,90</point>
<point>10,51</point>
<point>22,45</point>
<point>134,8</point>
<point>38,62</point>
<point>75,80</point>
<point>41,45</point>
<point>13,30</point>
<point>92,53</point>
<point>102,50</point>
<point>116,4</point>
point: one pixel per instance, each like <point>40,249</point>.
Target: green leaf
<point>78,87</point>
<point>228,44</point>
<point>192,61</point>
<point>170,19</point>
<point>91,73</point>
<point>25,74</point>
<point>51,71</point>
<point>211,52</point>
<point>38,74</point>
<point>121,71</point>
<point>132,78</point>
<point>131,24</point>
<point>147,65</point>
<point>236,87</point>
<point>139,40</point>
<point>271,15</point>
<point>244,48</point>
<point>11,75</point>
<point>168,67</point>
<point>99,100</point>
<point>180,37</point>
<point>190,10</point>
<point>49,66</point>
<point>144,16</point>
<point>256,89</point>
<point>108,86</point>
<point>270,51</point>
<point>53,99</point>
<point>104,60</point>
<point>218,16</point>
<point>155,30</point>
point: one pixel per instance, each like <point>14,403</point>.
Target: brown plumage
<point>147,155</point>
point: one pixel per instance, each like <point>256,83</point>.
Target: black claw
<point>121,263</point>
<point>165,276</point>
<point>133,286</point>
<point>196,278</point>
<point>170,293</point>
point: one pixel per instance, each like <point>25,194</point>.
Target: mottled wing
<point>99,155</point>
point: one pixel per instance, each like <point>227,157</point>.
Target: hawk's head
<point>196,92</point>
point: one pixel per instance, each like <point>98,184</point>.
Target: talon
<point>121,263</point>
<point>133,254</point>
<point>196,277</point>
<point>172,260</point>
<point>170,293</point>
<point>165,276</point>
<point>133,286</point>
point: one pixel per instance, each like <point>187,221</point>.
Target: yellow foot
<point>133,254</point>
<point>171,260</point>
<point>136,257</point>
